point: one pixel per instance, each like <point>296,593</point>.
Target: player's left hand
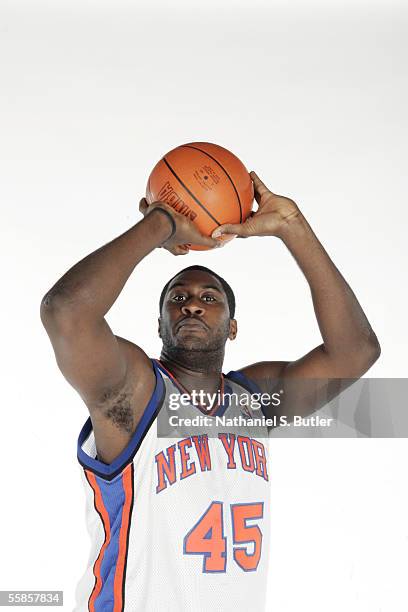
<point>273,214</point>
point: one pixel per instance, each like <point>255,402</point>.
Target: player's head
<point>197,296</point>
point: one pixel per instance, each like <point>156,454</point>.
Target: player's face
<point>195,313</point>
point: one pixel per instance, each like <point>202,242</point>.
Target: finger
<point>180,249</point>
<point>206,240</point>
<point>238,229</point>
<point>176,250</point>
<point>259,186</point>
<point>143,205</point>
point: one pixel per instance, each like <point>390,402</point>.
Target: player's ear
<point>158,330</point>
<point>233,330</point>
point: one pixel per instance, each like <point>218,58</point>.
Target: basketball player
<point>181,523</point>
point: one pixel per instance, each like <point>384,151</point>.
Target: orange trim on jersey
<point>100,507</point>
<point>199,406</point>
<point>127,481</point>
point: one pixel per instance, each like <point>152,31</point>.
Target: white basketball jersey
<point>179,523</point>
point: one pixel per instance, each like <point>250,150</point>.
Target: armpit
<point>120,412</point>
<point>116,405</point>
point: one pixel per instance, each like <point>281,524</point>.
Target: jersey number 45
<point>207,537</point>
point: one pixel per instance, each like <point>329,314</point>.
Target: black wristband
<point>170,216</point>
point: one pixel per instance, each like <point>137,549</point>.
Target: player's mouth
<point>191,324</point>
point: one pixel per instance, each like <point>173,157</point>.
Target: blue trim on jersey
<point>113,496</point>
<point>241,379</point>
<point>120,462</point>
<point>249,384</point>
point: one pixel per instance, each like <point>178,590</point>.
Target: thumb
<point>259,185</point>
<point>143,205</point>
<point>207,241</point>
<point>238,229</point>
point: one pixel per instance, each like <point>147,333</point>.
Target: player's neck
<point>193,370</point>
<point>193,364</point>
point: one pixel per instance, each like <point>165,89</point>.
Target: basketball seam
<point>189,192</point>
<point>222,167</point>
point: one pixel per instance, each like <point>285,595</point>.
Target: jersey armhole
<point>241,379</point>
<point>247,383</point>
<point>109,471</point>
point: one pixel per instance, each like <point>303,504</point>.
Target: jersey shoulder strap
<point>244,381</point>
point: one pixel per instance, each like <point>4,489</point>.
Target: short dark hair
<point>228,291</point>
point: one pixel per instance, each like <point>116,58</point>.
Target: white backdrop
<point>313,97</point>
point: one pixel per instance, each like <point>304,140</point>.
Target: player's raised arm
<point>350,346</point>
<point>113,376</point>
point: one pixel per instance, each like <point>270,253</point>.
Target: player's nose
<point>192,308</point>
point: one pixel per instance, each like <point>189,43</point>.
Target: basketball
<point>206,183</point>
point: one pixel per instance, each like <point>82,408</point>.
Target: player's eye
<point>177,296</point>
<point>211,298</point>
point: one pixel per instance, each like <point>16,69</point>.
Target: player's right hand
<point>186,233</point>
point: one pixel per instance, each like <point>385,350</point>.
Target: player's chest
<point>163,464</point>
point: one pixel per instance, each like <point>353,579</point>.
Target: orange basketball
<point>205,182</point>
